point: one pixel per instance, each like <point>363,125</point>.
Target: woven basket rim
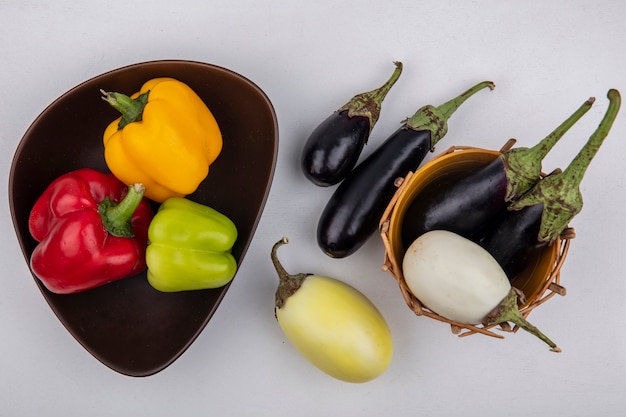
<point>551,284</point>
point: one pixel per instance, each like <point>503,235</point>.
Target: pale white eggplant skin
<point>454,277</point>
<point>338,329</point>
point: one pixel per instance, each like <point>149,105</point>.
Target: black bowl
<point>127,325</point>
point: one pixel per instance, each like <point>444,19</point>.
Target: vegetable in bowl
<point>482,195</point>
<point>166,138</point>
<point>127,325</point>
<point>459,280</point>
<point>538,218</point>
<point>92,230</point>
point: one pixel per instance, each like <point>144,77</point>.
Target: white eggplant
<point>457,279</point>
<point>332,324</point>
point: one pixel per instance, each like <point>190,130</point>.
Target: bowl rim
<point>174,61</point>
<point>272,120</point>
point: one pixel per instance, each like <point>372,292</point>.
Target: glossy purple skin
<point>464,206</point>
<point>512,239</point>
<point>334,147</point>
<point>352,214</point>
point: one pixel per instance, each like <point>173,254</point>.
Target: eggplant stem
<point>577,168</point>
<point>435,119</point>
<point>288,283</point>
<point>368,104</point>
<point>560,193</point>
<point>380,93</point>
<point>546,144</point>
<point>507,311</point>
<point>277,265</point>
<point>523,165</point>
<point>449,107</point>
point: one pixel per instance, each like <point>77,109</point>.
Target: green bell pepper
<point>190,247</point>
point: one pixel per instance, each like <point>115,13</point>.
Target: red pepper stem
<point>116,217</point>
<point>131,108</point>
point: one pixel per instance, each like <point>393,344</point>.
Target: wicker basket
<point>538,282</point>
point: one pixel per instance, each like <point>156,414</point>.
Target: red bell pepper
<point>92,229</point>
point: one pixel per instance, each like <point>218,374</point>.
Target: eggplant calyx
<point>507,311</point>
<point>368,104</point>
<point>560,192</point>
<point>288,283</point>
<point>435,119</point>
<point>523,165</point>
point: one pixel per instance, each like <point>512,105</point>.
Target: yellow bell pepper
<point>165,139</point>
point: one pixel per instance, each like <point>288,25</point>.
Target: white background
<point>546,58</point>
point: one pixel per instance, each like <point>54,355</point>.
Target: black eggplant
<point>352,214</point>
<point>334,147</point>
<point>512,238</point>
<point>539,217</point>
<point>467,204</point>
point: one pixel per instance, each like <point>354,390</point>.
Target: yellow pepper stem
<point>131,108</point>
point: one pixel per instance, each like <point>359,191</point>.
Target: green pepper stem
<point>435,119</point>
<point>560,193</point>
<point>507,311</point>
<point>131,108</point>
<point>288,284</point>
<point>116,217</point>
<point>368,104</point>
<point>523,165</point>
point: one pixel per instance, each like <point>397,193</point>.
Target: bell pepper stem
<point>368,104</point>
<point>116,217</point>
<point>435,119</point>
<point>288,283</point>
<point>523,165</point>
<point>131,108</point>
